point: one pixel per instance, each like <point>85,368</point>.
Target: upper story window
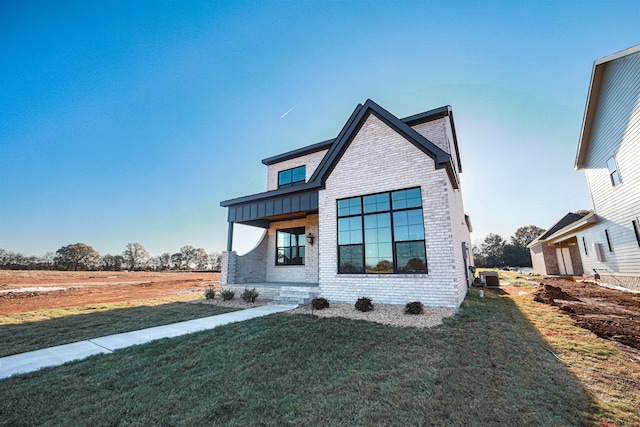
<point>290,246</point>
<point>613,171</point>
<point>382,233</point>
<point>290,177</point>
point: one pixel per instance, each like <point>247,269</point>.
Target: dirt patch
<point>609,313</point>
<point>23,291</point>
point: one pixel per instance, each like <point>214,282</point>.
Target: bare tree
<point>164,261</point>
<point>112,262</point>
<point>189,255</point>
<point>215,261</point>
<point>201,259</point>
<point>79,256</point>
<point>177,261</point>
<point>135,256</point>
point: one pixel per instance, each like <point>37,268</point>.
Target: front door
<point>564,261</point>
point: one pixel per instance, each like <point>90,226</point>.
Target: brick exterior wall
<point>379,160</point>
<point>307,273</point>
<point>311,161</point>
<point>436,132</point>
<point>248,268</point>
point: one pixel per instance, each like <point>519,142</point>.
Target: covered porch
<point>268,265</point>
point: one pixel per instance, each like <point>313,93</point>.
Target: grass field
<point>30,331</point>
<point>487,365</point>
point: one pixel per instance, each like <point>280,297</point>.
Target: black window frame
<point>636,229</point>
<point>584,244</point>
<point>292,172</point>
<point>606,235</point>
<point>299,232</point>
<point>361,213</point>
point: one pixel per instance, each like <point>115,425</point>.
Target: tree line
<point>83,257</point>
<point>496,252</point>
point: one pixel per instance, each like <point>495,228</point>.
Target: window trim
<point>292,182</point>
<point>615,172</point>
<point>584,244</point>
<point>390,212</point>
<point>297,231</point>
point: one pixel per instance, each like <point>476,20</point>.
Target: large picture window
<point>290,246</point>
<point>382,233</point>
<point>290,177</point>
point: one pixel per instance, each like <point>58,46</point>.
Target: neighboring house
<point>609,153</point>
<point>556,252</point>
<point>375,212</point>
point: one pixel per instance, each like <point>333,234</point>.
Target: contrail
<point>290,110</point>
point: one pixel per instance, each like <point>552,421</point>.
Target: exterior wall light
<point>310,238</point>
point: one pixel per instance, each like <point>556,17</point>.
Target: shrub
<point>210,292</point>
<point>227,295</point>
<point>415,307</point>
<point>319,303</point>
<point>364,304</point>
<point>250,295</point>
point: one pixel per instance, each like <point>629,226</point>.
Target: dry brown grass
<point>608,371</point>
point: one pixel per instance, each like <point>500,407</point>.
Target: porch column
<point>230,237</point>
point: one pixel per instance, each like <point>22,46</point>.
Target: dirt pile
<point>608,313</point>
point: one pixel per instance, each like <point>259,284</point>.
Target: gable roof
<point>569,222</point>
<point>353,125</point>
<point>309,149</point>
<point>592,102</point>
<point>339,145</point>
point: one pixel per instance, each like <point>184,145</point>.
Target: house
<point>556,252</point>
<point>608,241</point>
<point>375,212</point>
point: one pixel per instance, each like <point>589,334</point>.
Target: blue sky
<point>130,121</point>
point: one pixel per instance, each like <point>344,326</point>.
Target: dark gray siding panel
<point>286,204</point>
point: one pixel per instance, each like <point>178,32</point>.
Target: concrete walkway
<point>55,356</point>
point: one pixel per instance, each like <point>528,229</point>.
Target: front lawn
<point>22,332</point>
<point>485,366</point>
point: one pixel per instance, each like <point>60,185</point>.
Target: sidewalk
<point>55,356</point>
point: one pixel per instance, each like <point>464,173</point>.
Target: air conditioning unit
<point>597,249</point>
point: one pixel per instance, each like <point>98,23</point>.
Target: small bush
<point>319,303</point>
<point>415,307</point>
<point>364,304</point>
<point>210,292</point>
<point>227,295</point>
<point>250,295</point>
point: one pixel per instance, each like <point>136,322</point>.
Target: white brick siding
<point>307,273</point>
<point>311,161</point>
<point>380,160</point>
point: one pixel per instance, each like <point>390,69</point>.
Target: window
<point>290,246</point>
<point>584,243</point>
<point>613,171</point>
<point>606,234</point>
<point>290,177</point>
<point>382,233</point>
<point>636,229</point>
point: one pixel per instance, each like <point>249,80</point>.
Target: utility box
<point>490,279</point>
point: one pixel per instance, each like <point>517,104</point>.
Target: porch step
<point>289,296</point>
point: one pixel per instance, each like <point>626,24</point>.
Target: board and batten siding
<point>615,131</point>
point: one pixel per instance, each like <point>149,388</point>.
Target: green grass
<point>35,330</point>
<point>485,366</point>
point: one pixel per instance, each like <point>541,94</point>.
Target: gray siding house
<point>608,240</point>
<point>375,212</point>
